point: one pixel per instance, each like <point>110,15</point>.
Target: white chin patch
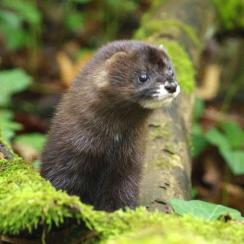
<point>161,98</point>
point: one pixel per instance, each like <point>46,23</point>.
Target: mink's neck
<point>126,114</point>
<point>106,115</point>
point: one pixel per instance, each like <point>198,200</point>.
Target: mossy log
<point>32,211</point>
<point>167,164</point>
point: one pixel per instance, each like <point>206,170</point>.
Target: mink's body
<point>96,141</point>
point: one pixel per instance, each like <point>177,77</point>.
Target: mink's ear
<point>115,58</point>
<point>101,79</point>
<point>158,56</point>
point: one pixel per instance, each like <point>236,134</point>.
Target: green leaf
<point>237,164</point>
<point>234,134</point>
<point>11,19</point>
<point>10,26</point>
<point>35,140</point>
<point>216,138</point>
<point>7,126</point>
<point>25,9</point>
<point>203,210</point>
<point>12,81</point>
<point>74,21</point>
<point>235,160</point>
<point>20,23</point>
<point>14,39</point>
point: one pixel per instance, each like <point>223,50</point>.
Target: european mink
<point>96,141</point>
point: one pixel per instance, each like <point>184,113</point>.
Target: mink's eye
<point>143,78</point>
<point>171,72</point>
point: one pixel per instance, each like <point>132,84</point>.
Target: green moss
<point>175,230</point>
<point>170,27</point>
<point>159,161</point>
<point>141,226</point>
<point>167,159</point>
<point>28,201</point>
<point>158,132</point>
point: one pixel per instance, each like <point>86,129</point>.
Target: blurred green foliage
<point>230,13</point>
<point>7,126</point>
<point>11,82</point>
<point>21,22</point>
<point>229,139</point>
<point>23,27</point>
<point>227,136</point>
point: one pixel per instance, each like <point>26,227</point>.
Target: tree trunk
<point>167,172</point>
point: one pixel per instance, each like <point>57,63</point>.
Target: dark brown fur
<point>96,142</point>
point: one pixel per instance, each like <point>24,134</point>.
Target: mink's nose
<point>170,87</point>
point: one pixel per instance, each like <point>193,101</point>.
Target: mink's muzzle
<point>171,87</point>
<point>160,95</point>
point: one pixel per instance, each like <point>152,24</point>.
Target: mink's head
<point>138,73</point>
